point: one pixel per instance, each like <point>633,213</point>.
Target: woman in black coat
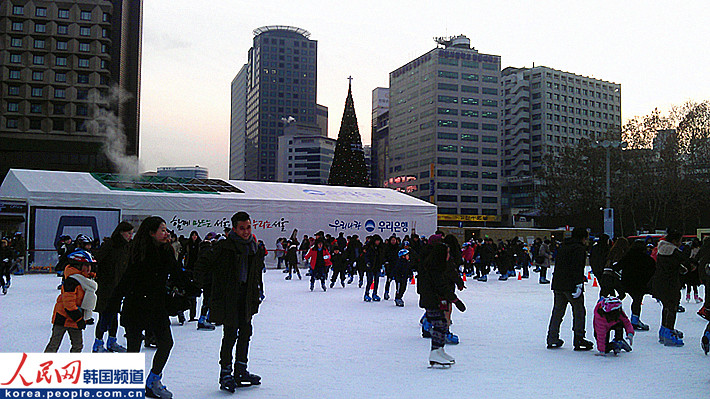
<point>150,262</point>
<point>637,268</point>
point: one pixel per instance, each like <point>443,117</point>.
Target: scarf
<point>247,249</point>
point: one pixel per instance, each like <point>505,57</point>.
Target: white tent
<point>72,202</point>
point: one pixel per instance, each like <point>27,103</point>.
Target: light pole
<point>608,211</point>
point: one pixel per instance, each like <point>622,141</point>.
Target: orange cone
<point>520,276</point>
<point>595,283</point>
<point>464,277</point>
<point>589,275</point>
<point>372,286</point>
<point>413,281</point>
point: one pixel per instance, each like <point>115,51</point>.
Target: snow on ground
<point>333,345</point>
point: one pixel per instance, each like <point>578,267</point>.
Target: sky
<point>192,51</point>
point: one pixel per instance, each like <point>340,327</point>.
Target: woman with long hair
<point>610,280</point>
<point>150,262</point>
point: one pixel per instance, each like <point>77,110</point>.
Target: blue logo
<point>370,225</point>
<point>314,192</point>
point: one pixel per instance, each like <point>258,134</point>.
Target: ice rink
<point>333,345</point>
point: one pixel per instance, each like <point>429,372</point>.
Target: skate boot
<point>705,342</point>
<point>4,289</point>
<point>681,309</point>
<point>114,346</point>
<point>387,296</point>
<point>698,299</point>
<point>299,275</point>
<point>581,344</point>
<point>98,346</point>
<point>322,285</point>
<point>687,297</point>
<point>439,358</point>
<point>226,380</point>
<point>203,324</point>
<point>155,389</point>
<point>426,327</point>
<point>503,277</point>
<point>342,283</point>
<point>621,344</point>
<point>332,283</point>
<point>350,280</point>
<point>244,378</point>
<point>399,302</point>
<point>555,343</point>
<point>483,278</point>
<point>375,297</point>
<point>288,277</point>
<point>704,313</point>
<point>367,298</point>
<point>359,285</point>
<point>543,280</point>
<point>452,339</point>
<point>312,285</point>
<point>638,324</point>
<point>673,339</point>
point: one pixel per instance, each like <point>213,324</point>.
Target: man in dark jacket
<point>568,288</point>
<point>236,266</point>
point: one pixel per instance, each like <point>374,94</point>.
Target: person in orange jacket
<point>319,259</point>
<point>68,316</point>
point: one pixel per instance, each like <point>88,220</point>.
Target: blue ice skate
<point>452,339</point>
<point>367,298</point>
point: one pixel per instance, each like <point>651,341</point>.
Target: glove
<point>81,324</point>
<point>459,305</point>
<point>443,305</point>
<point>578,292</point>
<point>630,338</point>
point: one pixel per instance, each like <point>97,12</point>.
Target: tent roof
<point>52,188</point>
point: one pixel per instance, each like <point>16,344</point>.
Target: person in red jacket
<point>319,259</point>
<point>68,317</point>
<point>610,317</point>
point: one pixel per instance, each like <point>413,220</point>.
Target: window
<point>489,151</point>
<point>469,89</point>
<point>489,126</point>
<point>84,31</point>
<point>469,174</point>
<point>490,212</point>
<point>447,123</point>
<point>13,90</point>
<point>446,173</point>
<point>15,42</point>
<point>38,60</point>
<point>13,107</point>
<point>36,92</point>
<point>470,113</point>
<point>489,187</point>
<point>18,10</point>
<point>63,13</point>
<point>471,77</point>
<point>469,125</point>
<point>490,103</point>
<point>490,115</point>
<point>489,67</point>
<point>489,139</point>
<point>39,43</point>
<point>446,161</point>
<point>36,108</point>
<point>469,137</point>
<point>447,186</point>
<point>489,79</point>
<point>82,110</point>
<point>447,148</point>
<point>60,77</point>
<point>448,75</point>
<point>41,28</point>
<point>85,16</point>
<point>469,162</point>
<point>489,175</point>
<point>17,26</point>
<point>83,62</point>
<point>469,101</point>
<point>58,109</point>
<point>448,99</point>
<point>82,94</point>
<point>62,45</point>
<point>58,124</point>
<point>40,12</point>
<point>15,59</point>
<point>37,75</point>
<point>448,86</point>
<point>62,29</point>
<point>14,74</point>
<point>469,150</point>
<point>488,90</point>
<point>447,111</point>
<point>447,136</point>
<point>448,61</point>
<point>60,93</point>
<point>106,17</point>
<point>84,47</point>
<point>11,123</point>
<point>469,186</point>
<point>447,198</point>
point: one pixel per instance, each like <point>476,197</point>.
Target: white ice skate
<point>439,359</point>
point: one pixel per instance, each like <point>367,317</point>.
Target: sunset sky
<point>656,50</point>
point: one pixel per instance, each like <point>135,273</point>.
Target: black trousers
<point>373,276</point>
<point>159,325</point>
<point>338,272</point>
<point>239,334</point>
<point>108,321</point>
<point>401,284</point>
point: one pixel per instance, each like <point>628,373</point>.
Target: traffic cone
<point>520,276</point>
<point>595,283</point>
<point>413,281</point>
<point>589,275</point>
<point>464,277</point>
<point>372,286</point>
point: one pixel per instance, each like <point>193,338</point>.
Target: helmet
<point>81,256</point>
<point>402,252</point>
<point>405,244</point>
<point>83,239</point>
<point>610,304</point>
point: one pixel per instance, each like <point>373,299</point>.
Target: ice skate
<point>154,388</point>
<point>288,277</point>
<point>226,380</point>
<point>312,285</point>
<point>332,284</point>
<point>687,297</point>
<point>582,344</point>
<point>322,285</point>
<point>555,343</point>
<point>387,296</point>
<point>698,299</point>
<point>438,359</point>
<point>704,313</point>
<point>399,302</point>
<point>98,346</point>
<point>638,324</point>
<point>375,297</point>
<point>342,283</point>
<point>114,346</point>
<point>623,345</point>
<point>452,339</point>
<point>244,378</point>
<point>203,324</point>
<point>367,298</point>
<point>705,342</point>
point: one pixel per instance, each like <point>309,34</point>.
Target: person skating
<point>339,266</point>
<point>291,259</point>
<point>568,288</point>
<point>543,259</point>
<point>319,260</point>
<point>6,256</point>
<point>435,296</point>
<point>391,248</point>
<point>237,286</point>
<point>402,273</point>
<point>637,268</point>
<point>374,259</point>
<point>609,317</point>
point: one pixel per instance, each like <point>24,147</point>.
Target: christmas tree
<point>348,167</point>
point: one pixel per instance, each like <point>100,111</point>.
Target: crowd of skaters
<point>131,278</point>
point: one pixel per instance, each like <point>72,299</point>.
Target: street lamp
<point>608,211</point>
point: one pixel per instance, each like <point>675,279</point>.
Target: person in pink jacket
<point>608,317</point>
<point>319,259</point>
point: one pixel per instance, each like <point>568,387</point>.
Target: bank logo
<point>370,225</point>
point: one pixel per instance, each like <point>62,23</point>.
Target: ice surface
<point>333,345</point>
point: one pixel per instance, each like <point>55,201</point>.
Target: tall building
<point>444,130</point>
<point>545,110</point>
<point>305,155</point>
<point>379,139</point>
<point>322,119</point>
<point>238,126</point>
<point>186,172</point>
<point>280,87</point>
<point>60,62</point>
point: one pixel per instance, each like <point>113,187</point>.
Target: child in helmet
<point>75,303</point>
<point>402,272</point>
<point>610,317</point>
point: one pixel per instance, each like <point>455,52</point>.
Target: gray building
<point>58,63</point>
<point>379,138</point>
<point>187,172</point>
<point>444,130</point>
<point>545,110</point>
<point>238,126</point>
<point>280,86</point>
<point>304,155</point>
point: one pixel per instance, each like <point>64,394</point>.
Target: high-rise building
<point>380,136</point>
<point>444,130</point>
<point>63,65</point>
<point>185,172</point>
<point>304,155</point>
<point>280,88</point>
<point>545,110</point>
<point>238,126</point>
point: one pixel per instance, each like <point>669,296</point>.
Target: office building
<point>279,87</point>
<point>185,172</point>
<point>379,136</point>
<point>61,63</point>
<point>238,126</point>
<point>444,130</point>
<point>304,155</point>
<point>545,110</point>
